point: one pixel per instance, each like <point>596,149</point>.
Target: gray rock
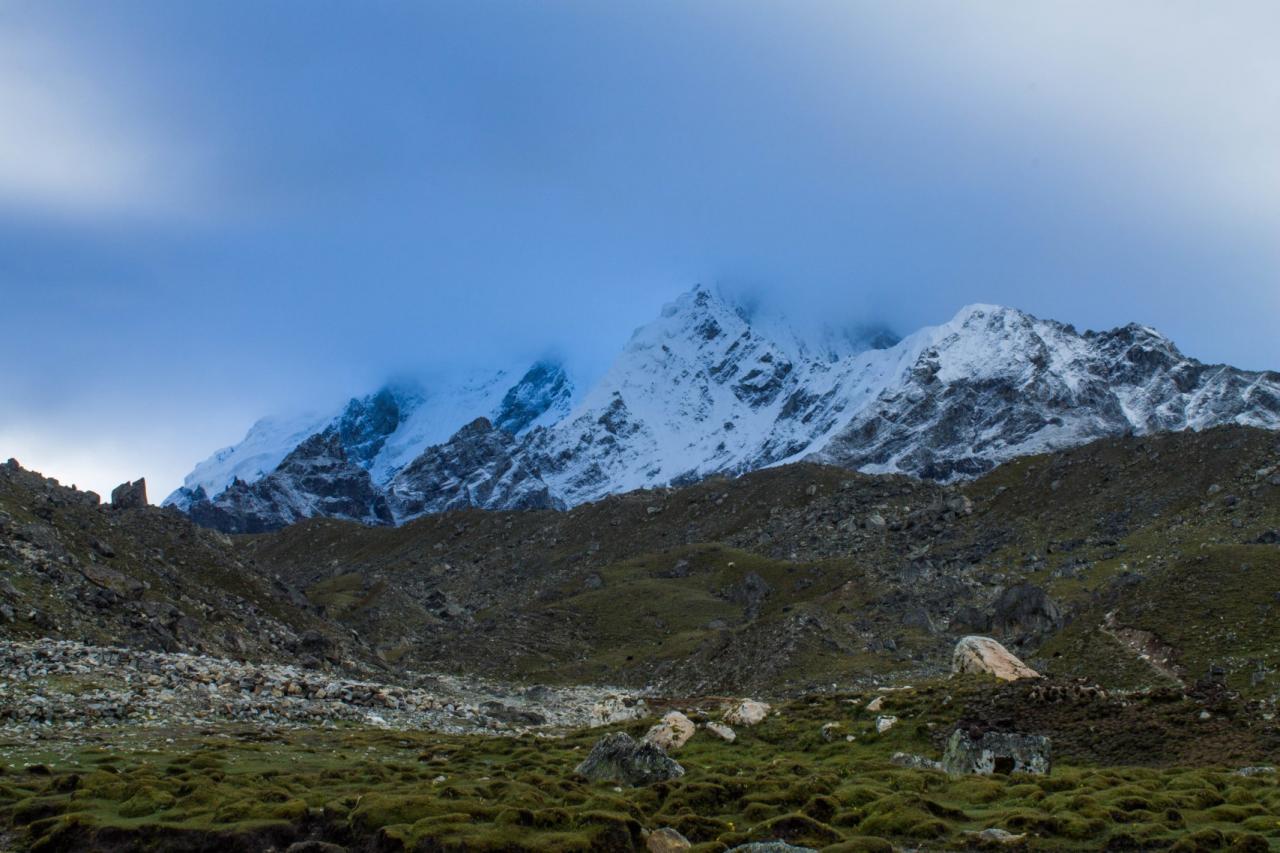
<point>619,759</point>
<point>915,762</point>
<point>770,847</point>
<point>130,495</point>
<point>1026,609</point>
<point>750,592</point>
<point>986,752</point>
<point>1260,770</point>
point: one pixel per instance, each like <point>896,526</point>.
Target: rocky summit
<point>715,387</point>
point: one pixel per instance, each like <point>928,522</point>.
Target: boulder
<point>721,731</point>
<point>750,593</point>
<point>1025,609</point>
<point>884,723</point>
<point>130,495</point>
<point>985,655</point>
<point>996,837</point>
<point>671,732</point>
<point>748,712</point>
<point>617,758</point>
<point>972,750</point>
<point>666,840</point>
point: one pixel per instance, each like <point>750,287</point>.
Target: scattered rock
<point>81,685</point>
<point>619,759</point>
<point>1260,770</point>
<point>671,732</point>
<point>883,724</point>
<point>985,655</point>
<point>748,712</point>
<point>831,732</point>
<point>971,750</point>
<point>875,704</point>
<point>770,847</point>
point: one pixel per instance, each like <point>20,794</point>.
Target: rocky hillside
<point>1129,561</point>
<point>149,579</point>
<point>712,388</point>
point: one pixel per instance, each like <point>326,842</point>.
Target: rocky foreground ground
<point>51,684</point>
<point>112,749</point>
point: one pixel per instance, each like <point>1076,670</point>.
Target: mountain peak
<point>722,383</point>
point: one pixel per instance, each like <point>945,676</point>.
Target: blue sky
<point>211,211</point>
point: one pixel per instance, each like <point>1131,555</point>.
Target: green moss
<point>375,787</point>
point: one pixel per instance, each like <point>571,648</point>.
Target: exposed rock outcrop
<point>130,495</point>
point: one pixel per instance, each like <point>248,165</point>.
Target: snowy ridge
<point>386,430</point>
<point>711,386</point>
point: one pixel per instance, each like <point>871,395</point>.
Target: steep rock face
<point>365,424</point>
<point>543,393</point>
<point>316,479</point>
<point>478,467</point>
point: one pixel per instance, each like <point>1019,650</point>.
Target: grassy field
<point>390,790</point>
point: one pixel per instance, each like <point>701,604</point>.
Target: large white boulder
<point>985,655</point>
<point>748,712</point>
<point>721,731</point>
<point>671,732</point>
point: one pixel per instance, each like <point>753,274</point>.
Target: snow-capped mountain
<point>713,386</point>
<point>386,430</point>
<point>316,478</point>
